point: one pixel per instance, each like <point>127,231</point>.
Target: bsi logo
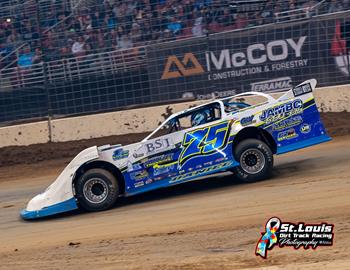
<point>158,145</point>
<point>187,67</point>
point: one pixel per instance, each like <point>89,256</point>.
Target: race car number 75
<point>204,141</point>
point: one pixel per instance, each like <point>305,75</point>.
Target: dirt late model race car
<point>217,136</point>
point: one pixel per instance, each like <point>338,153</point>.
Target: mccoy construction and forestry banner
<point>265,59</point>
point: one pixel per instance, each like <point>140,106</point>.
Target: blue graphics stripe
<point>165,182</point>
<point>303,144</point>
<point>50,210</point>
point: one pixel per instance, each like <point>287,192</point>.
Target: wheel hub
<point>95,190</point>
<point>252,161</point>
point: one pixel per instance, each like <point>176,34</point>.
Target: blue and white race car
<point>217,136</point>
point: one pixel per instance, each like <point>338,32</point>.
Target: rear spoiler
<point>304,88</point>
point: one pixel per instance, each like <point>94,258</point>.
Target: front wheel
<point>97,190</point>
<point>256,160</point>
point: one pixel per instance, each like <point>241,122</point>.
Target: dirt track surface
<point>211,224</point>
<point>337,124</point>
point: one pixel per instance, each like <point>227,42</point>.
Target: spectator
<point>136,35</point>
<point>14,39</point>
<point>168,35</point>
<point>78,48</point>
<point>267,13</point>
<point>174,26</point>
<point>38,56</point>
<point>110,21</point>
<point>198,29</point>
<point>25,58</point>
<point>335,6</point>
<point>120,32</point>
<point>227,18</point>
<point>146,31</point>
<point>125,42</point>
<point>241,21</point>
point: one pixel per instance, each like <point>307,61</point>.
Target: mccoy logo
<point>294,235</point>
<point>278,84</point>
<point>256,54</point>
<point>276,55</point>
<point>189,66</point>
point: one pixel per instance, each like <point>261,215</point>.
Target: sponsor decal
<point>216,94</point>
<point>120,154</point>
<point>245,121</point>
<point>287,123</point>
<point>219,160</point>
<point>187,67</point>
<point>138,155</point>
<point>305,128</point>
<point>287,135</point>
<point>163,170</point>
<point>279,84</point>
<point>204,141</point>
<point>206,164</point>
<point>158,160</point>
<point>148,181</point>
<point>282,111</point>
<point>206,170</point>
<point>158,145</point>
<point>139,184</point>
<point>302,89</point>
<point>139,175</point>
<point>282,234</point>
<point>134,167</point>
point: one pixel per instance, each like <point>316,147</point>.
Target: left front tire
<point>97,190</point>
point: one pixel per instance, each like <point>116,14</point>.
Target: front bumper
<point>61,207</point>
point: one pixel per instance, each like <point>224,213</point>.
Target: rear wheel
<point>256,160</point>
<point>97,190</point>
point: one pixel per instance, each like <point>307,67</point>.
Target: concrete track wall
<point>330,99</point>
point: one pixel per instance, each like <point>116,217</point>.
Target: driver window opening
<point>193,118</point>
<point>235,104</point>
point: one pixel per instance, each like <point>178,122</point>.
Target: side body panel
<point>178,157</point>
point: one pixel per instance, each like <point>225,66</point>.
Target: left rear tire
<point>256,161</point>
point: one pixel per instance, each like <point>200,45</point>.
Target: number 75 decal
<point>204,141</point>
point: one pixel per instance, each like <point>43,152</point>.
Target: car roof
<point>195,108</point>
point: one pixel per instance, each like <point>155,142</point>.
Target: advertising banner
<point>265,59</point>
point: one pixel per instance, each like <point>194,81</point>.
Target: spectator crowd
<point>56,31</point>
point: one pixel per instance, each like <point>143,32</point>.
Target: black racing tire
<point>256,161</point>
<point>97,190</point>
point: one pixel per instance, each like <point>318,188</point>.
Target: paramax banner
<point>265,59</point>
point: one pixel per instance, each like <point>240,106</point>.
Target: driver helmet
<point>199,118</point>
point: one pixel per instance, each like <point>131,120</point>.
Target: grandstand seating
<point>35,31</point>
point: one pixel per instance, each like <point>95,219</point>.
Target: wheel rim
<point>95,190</point>
<point>252,161</point>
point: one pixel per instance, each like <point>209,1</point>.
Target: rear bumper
<point>61,207</point>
